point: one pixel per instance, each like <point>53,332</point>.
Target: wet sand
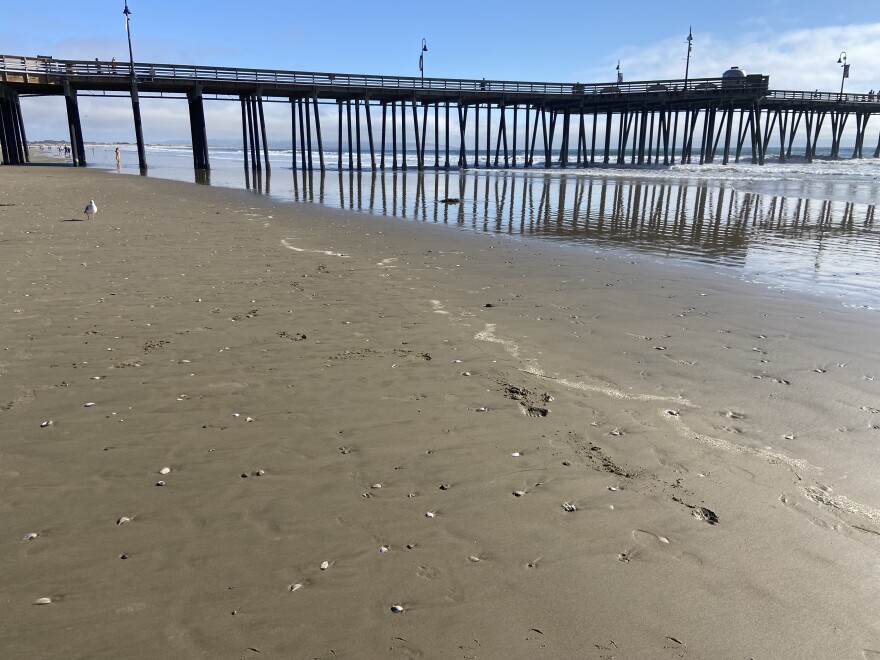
<point>526,451</point>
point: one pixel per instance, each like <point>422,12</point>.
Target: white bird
<point>91,209</point>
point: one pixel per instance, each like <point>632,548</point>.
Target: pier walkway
<point>455,122</point>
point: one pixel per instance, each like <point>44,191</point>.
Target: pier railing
<point>51,71</point>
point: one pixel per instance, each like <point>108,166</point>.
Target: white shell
<point>248,419</point>
<point>165,470</point>
<point>568,506</point>
<point>516,453</point>
<point>384,549</point>
<point>48,422</point>
<point>89,404</point>
<point>519,493</point>
<point>474,558</point>
<point>123,520</point>
<point>160,483</point>
<point>42,601</point>
<point>429,514</point>
<point>325,565</point>
<point>377,485</point>
<point>397,609</point>
<point>295,586</point>
<point>29,537</point>
<point>613,488</point>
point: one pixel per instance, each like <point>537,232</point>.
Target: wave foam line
<point>488,335</point>
<point>284,242</point>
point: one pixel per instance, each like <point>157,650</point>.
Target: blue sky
<point>796,42</point>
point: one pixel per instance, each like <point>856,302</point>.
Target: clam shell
<point>325,565</point>
<point>165,470</point>
<point>397,609</point>
<point>42,601</point>
<point>29,537</point>
<point>123,520</point>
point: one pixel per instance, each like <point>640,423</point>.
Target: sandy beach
<point>239,428</point>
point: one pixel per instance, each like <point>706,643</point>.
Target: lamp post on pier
<point>841,60</point>
<point>422,59</point>
<point>127,13</point>
<point>687,65</point>
<point>135,99</point>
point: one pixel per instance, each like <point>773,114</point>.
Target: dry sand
<point>319,383</point>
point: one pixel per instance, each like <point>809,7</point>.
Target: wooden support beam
<point>244,129</point>
<point>263,132</point>
<point>348,129</point>
<point>293,134</point>
<point>138,129</point>
<point>368,111</point>
<point>317,133</point>
<point>357,132</point>
<point>303,128</point>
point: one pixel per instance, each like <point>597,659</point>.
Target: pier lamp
<point>422,59</point>
<point>841,60</point>
<point>687,65</point>
<point>127,13</point>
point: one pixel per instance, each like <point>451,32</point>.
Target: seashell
<point>377,485</point>
<point>165,470</point>
<point>410,546</point>
<point>248,419</point>
<point>325,565</point>
<point>474,558</point>
<point>659,348</point>
<point>622,557</point>
<point>123,520</point>
<point>456,362</point>
<point>481,409</point>
<point>465,373</point>
<point>160,483</point>
<point>568,506</point>
<point>29,537</point>
<point>672,413</point>
<point>519,493</point>
<point>97,377</point>
<point>384,549</point>
<point>259,473</point>
<point>444,486</point>
<point>42,601</point>
<point>429,514</point>
<point>613,488</point>
<point>397,609</point>
<point>366,495</point>
<point>516,453</point>
<point>48,422</point>
<point>295,586</point>
<point>89,404</point>
<point>236,415</point>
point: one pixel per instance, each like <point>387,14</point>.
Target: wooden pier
<point>473,123</point>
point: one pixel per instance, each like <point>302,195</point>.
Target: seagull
<point>91,209</point>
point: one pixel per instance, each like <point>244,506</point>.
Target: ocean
<point>806,227</point>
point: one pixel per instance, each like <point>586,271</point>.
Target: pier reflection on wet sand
<point>712,223</point>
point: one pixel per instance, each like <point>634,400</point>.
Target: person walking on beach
<point>117,156</point>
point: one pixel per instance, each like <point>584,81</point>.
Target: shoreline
<point>193,304</point>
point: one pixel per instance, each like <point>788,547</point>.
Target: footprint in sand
<point>428,572</point>
<point>651,541</point>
